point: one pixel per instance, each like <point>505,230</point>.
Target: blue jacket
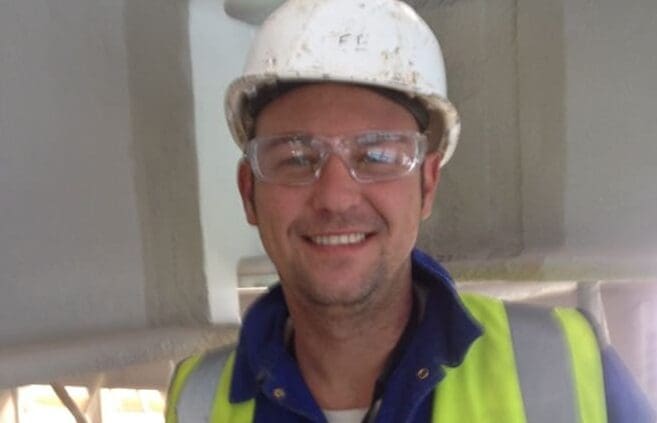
<point>444,333</point>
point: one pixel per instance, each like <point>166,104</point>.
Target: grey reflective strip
<point>197,395</point>
<point>543,363</point>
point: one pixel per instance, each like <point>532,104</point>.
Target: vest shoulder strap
<point>194,386</point>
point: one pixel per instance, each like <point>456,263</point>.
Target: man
<point>345,124</point>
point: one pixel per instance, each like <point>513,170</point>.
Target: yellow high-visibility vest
<point>516,372</point>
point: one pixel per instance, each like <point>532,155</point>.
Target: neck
<point>341,351</point>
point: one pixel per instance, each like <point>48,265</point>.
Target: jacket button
<point>279,393</point>
<point>423,373</point>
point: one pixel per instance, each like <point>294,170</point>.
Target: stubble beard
<point>358,293</point>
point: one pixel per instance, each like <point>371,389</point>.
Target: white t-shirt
<point>345,416</point>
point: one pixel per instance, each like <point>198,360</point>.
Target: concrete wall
<point>554,175</point>
<point>611,195</point>
<point>165,160</point>
<point>70,245</point>
<point>99,199</point>
<point>478,207</point>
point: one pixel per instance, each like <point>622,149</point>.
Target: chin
<point>348,295</point>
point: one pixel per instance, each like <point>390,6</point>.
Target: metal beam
<point>68,402</point>
<point>92,409</point>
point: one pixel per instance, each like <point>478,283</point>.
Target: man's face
<point>338,242</point>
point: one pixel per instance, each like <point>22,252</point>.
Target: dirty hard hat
<point>383,44</point>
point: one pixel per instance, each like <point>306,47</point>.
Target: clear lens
<point>381,156</point>
<point>287,159</point>
<point>370,156</point>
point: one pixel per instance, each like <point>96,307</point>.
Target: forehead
<point>332,109</point>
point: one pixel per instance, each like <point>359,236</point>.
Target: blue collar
<point>441,338</point>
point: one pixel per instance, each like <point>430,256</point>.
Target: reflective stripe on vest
<point>542,363</point>
<point>530,365</point>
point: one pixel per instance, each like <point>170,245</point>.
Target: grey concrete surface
<point>70,244</point>
<point>100,234</point>
<point>478,207</point>
<point>554,175</point>
<point>165,160</point>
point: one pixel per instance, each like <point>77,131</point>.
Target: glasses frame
<point>340,146</point>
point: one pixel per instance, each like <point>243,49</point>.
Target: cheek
<point>401,204</point>
<point>270,224</point>
<point>275,208</point>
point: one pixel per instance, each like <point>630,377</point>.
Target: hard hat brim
<point>443,129</point>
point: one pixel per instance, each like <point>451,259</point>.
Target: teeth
<point>344,239</point>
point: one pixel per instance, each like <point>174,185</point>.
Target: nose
<point>335,190</point>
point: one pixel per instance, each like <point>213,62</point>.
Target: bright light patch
<point>39,403</point>
<point>132,405</point>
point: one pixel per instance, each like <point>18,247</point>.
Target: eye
<point>299,157</point>
<point>294,159</point>
<point>379,156</point>
<point>286,151</point>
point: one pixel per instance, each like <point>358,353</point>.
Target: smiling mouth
<point>335,240</point>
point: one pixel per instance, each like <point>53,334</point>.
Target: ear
<point>245,184</point>
<point>430,179</point>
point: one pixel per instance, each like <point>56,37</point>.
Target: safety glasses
<point>372,156</point>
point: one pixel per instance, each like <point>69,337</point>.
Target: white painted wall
<point>218,46</point>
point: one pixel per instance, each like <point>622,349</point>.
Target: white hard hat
<point>378,43</point>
